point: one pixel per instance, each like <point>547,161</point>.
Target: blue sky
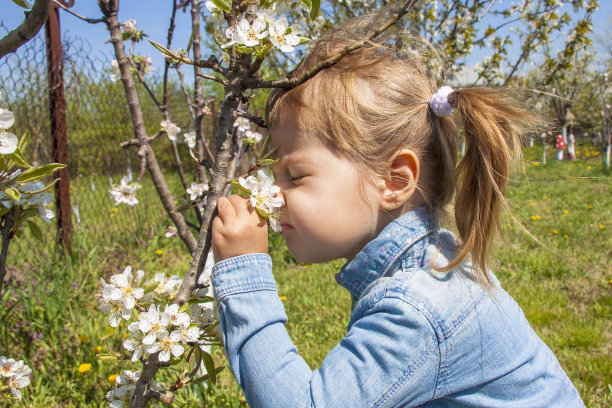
<point>152,17</point>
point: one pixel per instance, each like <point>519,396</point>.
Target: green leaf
<point>12,193</point>
<point>240,189</point>
<point>4,210</point>
<point>35,230</point>
<point>18,158</point>
<point>267,162</point>
<point>265,146</point>
<point>107,333</point>
<point>105,357</point>
<point>2,162</point>
<point>183,308</point>
<point>169,53</point>
<point>314,10</point>
<point>42,190</point>
<point>151,287</point>
<point>196,27</point>
<point>210,366</point>
<point>21,3</point>
<point>37,173</point>
<point>222,4</point>
<point>23,142</point>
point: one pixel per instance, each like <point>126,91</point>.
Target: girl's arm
<point>389,357</point>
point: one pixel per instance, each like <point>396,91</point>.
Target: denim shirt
<point>416,337</point>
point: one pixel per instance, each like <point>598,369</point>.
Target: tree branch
<point>6,240</point>
<point>253,118</point>
<point>257,82</point>
<point>34,20</point>
<point>86,19</point>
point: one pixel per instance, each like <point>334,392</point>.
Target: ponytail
<point>493,123</point>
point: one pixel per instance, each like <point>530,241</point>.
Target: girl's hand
<point>238,229</point>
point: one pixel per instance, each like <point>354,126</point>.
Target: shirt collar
<point>382,253</point>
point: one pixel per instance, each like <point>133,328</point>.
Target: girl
<point>367,166</point>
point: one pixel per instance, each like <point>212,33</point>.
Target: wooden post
<point>57,110</point>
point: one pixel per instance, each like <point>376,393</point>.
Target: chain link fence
<point>98,120</point>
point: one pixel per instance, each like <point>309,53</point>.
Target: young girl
<point>367,166</point>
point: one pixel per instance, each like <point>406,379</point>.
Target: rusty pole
<point>57,110</point>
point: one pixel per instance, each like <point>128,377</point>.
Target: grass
<point>563,283</point>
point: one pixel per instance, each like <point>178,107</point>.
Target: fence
<point>98,121</point>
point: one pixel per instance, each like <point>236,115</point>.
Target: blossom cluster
<point>14,375</point>
<point>266,28</point>
<point>159,326</point>
<point>8,141</point>
<point>121,394</point>
<point>248,136</point>
<point>32,195</point>
<point>264,196</point>
<point>125,192</point>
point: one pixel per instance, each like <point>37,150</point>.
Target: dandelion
<point>159,252</point>
<point>565,236</point>
<point>536,164</point>
<point>112,379</point>
<point>565,211</point>
<point>555,232</point>
<point>283,298</point>
<point>97,349</point>
<point>535,217</point>
<point>590,207</point>
<point>588,167</point>
<point>601,226</point>
<point>83,368</point>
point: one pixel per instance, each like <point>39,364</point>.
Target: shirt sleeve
<point>389,357</point>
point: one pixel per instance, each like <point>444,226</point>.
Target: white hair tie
<point>439,102</point>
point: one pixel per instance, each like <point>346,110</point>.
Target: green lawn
<point>559,272</point>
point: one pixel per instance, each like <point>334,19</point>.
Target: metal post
<point>57,110</point>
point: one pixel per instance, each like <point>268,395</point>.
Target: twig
<point>213,78</point>
<point>87,19</point>
<point>253,118</point>
<point>257,82</point>
<point>6,240</point>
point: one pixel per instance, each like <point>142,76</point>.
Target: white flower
<point>170,128</point>
<point>196,190</point>
<point>264,196</point>
<point>191,334</point>
<point>134,343</point>
<point>177,318</point>
<point>14,375</point>
<point>252,137</point>
<point>125,384</point>
<point>171,232</point>
<point>125,192</point>
<point>279,36</point>
<point>216,14</point>
<point>129,26</point>
<point>170,344</point>
<point>123,288</point>
<point>167,286</point>
<point>115,74</point>
<point>266,15</point>
<point>8,141</point>
<point>243,124</point>
<point>248,34</point>
<point>190,139</point>
<point>152,324</point>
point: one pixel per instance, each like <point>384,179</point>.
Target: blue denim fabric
<point>416,337</point>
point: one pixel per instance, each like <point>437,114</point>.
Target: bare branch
<point>86,19</point>
<point>213,78</point>
<point>257,82</point>
<point>34,20</point>
<point>253,118</point>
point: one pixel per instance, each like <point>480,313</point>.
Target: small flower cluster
<point>265,30</point>
<point>265,196</point>
<point>8,141</point>
<point>121,394</point>
<point>130,32</point>
<point>160,326</point>
<point>170,128</point>
<point>243,127</point>
<point>125,192</point>
<point>14,375</point>
<point>32,195</point>
<point>197,191</point>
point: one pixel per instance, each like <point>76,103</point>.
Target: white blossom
<point>265,196</point>
<point>14,375</point>
<point>190,139</point>
<point>281,38</point>
<point>120,295</point>
<point>8,141</point>
<point>121,394</point>
<point>252,137</point>
<point>245,33</point>
<point>170,344</point>
<point>170,128</point>
<point>125,192</point>
<point>242,124</point>
<point>196,190</point>
<point>177,318</point>
<point>115,74</point>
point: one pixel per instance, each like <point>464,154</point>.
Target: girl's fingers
<point>225,209</point>
<point>242,205</point>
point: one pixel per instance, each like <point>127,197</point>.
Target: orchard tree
<point>35,16</point>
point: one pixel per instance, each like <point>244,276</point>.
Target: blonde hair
<point>375,102</point>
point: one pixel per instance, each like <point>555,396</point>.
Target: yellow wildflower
<point>112,379</point>
<point>536,164</point>
<point>97,350</point>
<point>535,217</point>
<point>159,252</point>
<point>555,232</point>
<point>83,368</point>
<point>588,167</point>
<point>590,207</point>
<point>565,212</point>
<point>601,226</point>
<point>283,298</point>
<point>565,236</point>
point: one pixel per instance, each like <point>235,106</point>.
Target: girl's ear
<point>401,182</point>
